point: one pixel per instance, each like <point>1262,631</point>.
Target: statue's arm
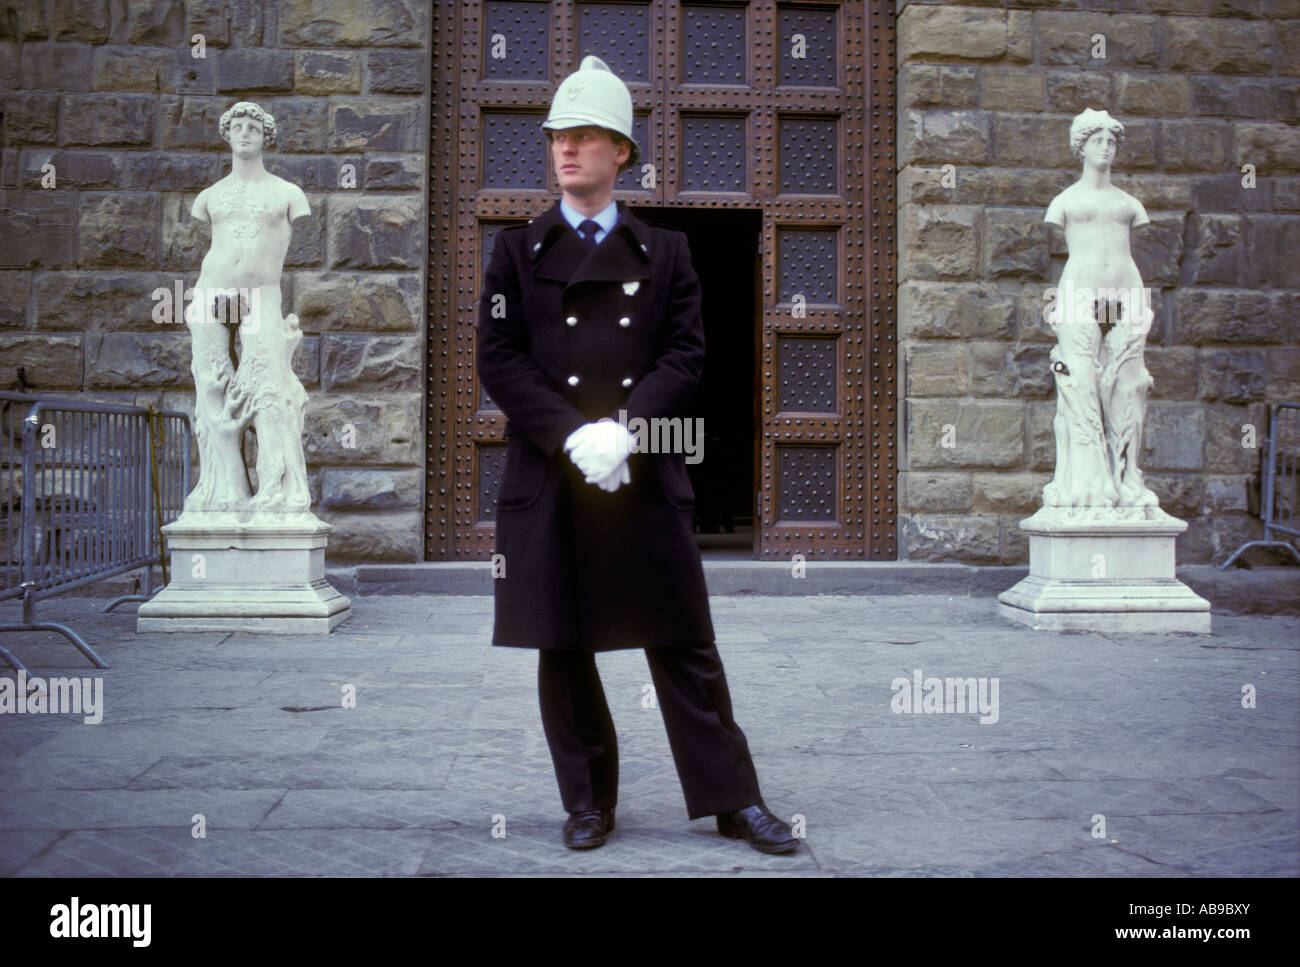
<point>200,207</point>
<point>1139,214</point>
<point>298,204</point>
<point>1055,212</point>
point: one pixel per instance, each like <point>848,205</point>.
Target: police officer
<point>590,320</point>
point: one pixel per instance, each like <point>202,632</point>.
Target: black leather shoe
<point>588,828</point>
<point>765,832</point>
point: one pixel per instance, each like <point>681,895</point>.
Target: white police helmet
<point>593,94</point>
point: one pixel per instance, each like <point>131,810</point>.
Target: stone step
<point>1260,590</point>
<point>1271,590</point>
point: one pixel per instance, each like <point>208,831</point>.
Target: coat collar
<point>559,253</point>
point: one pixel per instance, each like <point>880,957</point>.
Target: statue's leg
<point>297,493</point>
<point>1088,482</point>
<point>296,490</point>
<point>1109,312</point>
<point>1125,401</point>
<point>281,467</point>
<point>270,470</point>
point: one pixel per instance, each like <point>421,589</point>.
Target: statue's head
<point>251,120</point>
<point>1085,125</point>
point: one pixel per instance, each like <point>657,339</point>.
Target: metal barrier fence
<point>85,489</point>
<point>1279,484</point>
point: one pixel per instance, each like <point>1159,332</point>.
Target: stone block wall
<point>1203,88</point>
<point>112,95</point>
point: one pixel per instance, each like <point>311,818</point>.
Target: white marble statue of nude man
<point>1100,314</point>
<point>251,211</point>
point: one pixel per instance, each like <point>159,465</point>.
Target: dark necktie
<point>589,228</point>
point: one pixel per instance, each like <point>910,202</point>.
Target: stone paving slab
<point>196,739</point>
<point>175,852</point>
<point>362,809</point>
<point>18,847</point>
<point>1241,590</point>
<point>443,745</point>
<point>317,771</point>
<point>32,773</point>
<point>633,847</point>
<point>130,808</point>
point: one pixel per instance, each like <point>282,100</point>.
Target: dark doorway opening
<point>724,251</point>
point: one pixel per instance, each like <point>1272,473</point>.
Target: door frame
<point>452,480</point>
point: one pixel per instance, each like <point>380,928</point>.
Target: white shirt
<point>606,218</point>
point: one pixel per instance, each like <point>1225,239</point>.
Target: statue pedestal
<point>1104,569</point>
<point>259,572</point>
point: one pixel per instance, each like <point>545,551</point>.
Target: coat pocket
<point>524,475</point>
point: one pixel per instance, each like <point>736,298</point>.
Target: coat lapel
<point>559,253</point>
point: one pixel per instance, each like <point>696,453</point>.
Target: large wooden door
<point>756,104</point>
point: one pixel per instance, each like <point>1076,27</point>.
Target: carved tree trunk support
<point>219,425</point>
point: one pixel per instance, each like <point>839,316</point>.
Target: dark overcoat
<point>568,334</point>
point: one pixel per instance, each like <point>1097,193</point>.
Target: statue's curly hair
<point>251,110</point>
<point>1085,125</point>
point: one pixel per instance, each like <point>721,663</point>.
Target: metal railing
<point>85,489</point>
<point>1278,484</point>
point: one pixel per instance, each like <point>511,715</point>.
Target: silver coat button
<point>627,381</point>
<point>571,321</point>
<point>625,322</point>
<point>573,381</point>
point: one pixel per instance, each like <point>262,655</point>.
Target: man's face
<point>586,160</point>
<point>246,137</point>
<point>1099,150</point>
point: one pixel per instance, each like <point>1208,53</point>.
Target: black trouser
<point>709,749</point>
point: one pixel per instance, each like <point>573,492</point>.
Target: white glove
<point>599,448</point>
<point>620,476</point>
<point>577,436</point>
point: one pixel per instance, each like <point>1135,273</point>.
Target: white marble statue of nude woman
<point>1100,314</point>
<point>251,211</point>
